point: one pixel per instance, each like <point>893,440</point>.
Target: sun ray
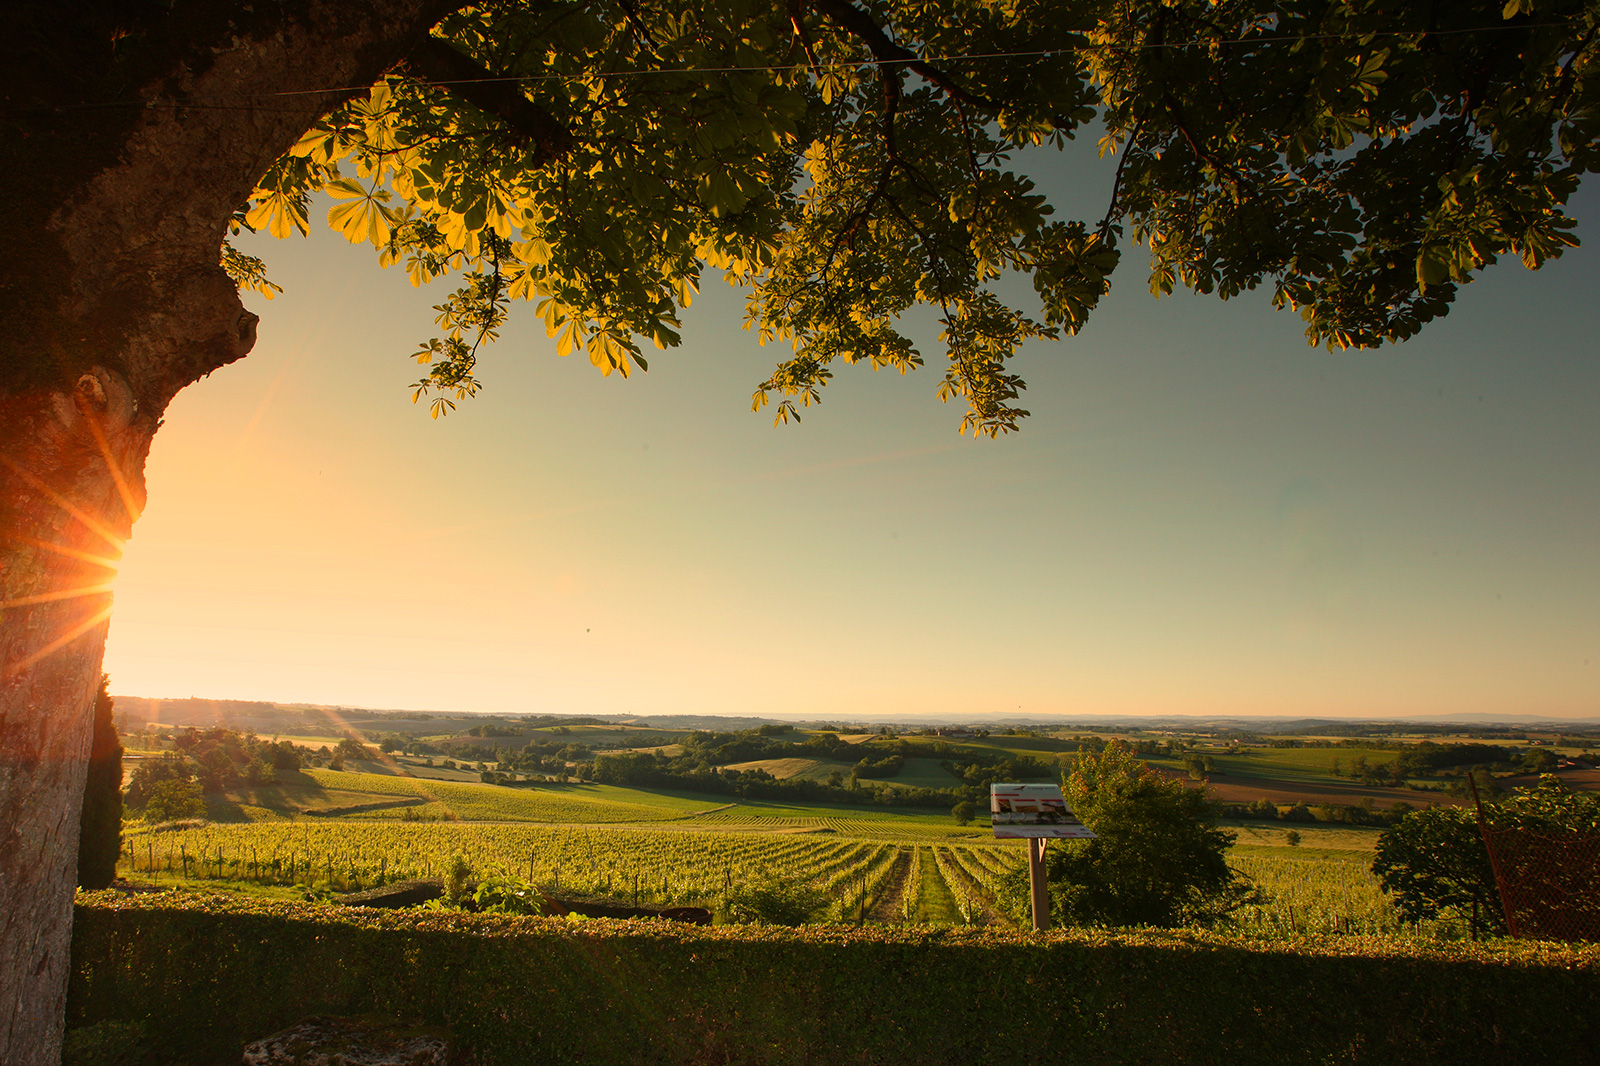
<point>72,553</point>
<point>383,757</point>
<point>128,502</point>
<point>59,594</point>
<point>60,642</point>
<point>66,505</point>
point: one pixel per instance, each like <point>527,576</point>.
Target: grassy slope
<point>320,789</point>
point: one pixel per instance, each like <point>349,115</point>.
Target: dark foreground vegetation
<point>183,979</point>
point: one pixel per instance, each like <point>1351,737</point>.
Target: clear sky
<point>1203,516</point>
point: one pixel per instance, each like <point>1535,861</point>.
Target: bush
<point>107,1043</point>
<point>538,991</point>
<point>775,902</point>
<point>505,895</point>
<point>1158,857</point>
<point>458,883</point>
<point>1435,865</point>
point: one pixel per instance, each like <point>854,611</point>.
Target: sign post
<point>1037,814</point>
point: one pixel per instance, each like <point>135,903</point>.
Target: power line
<point>849,64</point>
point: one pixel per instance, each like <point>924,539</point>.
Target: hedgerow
<point>202,975</point>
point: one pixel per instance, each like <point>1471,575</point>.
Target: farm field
<point>1331,791</point>
<point>391,796</point>
<point>1324,886</point>
<point>387,797</point>
<point>797,766</point>
<point>1253,835</point>
<point>413,768</point>
<point>916,773</point>
<point>1298,764</point>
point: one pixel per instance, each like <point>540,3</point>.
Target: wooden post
<point>1038,889</point>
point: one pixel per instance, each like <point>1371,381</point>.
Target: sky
<point>1203,516</point>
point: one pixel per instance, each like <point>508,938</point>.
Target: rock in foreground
<point>324,1041</point>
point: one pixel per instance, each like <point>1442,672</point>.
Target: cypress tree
<point>100,831</point>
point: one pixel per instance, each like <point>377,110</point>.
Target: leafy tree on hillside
<point>173,800</point>
<point>349,748</point>
<point>286,757</point>
<point>217,770</point>
<point>1539,761</point>
<point>150,772</point>
<point>842,163</point>
<point>1158,857</point>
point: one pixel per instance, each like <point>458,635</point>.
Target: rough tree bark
<point>132,131</point>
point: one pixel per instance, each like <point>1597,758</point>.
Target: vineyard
<point>912,879</point>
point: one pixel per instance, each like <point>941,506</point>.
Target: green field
<point>391,797</point>
<point>916,773</point>
<point>888,864</point>
<point>1298,764</point>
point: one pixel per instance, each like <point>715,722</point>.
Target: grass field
<point>897,871</point>
<point>1298,764</point>
<point>916,773</point>
<point>467,801</point>
<point>796,766</point>
<point>1321,837</point>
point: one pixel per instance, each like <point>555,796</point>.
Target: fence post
<point>1038,887</point>
<point>1494,866</point>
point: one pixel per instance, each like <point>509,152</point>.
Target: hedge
<point>203,975</point>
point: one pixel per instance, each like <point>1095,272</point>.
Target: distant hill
<point>269,717</point>
<point>133,711</point>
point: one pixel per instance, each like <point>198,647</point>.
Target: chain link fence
<point>1548,875</point>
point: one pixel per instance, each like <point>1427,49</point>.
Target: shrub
<point>776,902</point>
<point>541,991</point>
<point>1158,857</point>
<point>107,1043</point>
<point>505,895</point>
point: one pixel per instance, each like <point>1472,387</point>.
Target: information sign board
<point>1033,811</point>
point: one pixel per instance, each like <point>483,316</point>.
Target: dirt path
<point>886,904</point>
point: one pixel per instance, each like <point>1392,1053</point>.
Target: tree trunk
<point>132,133</point>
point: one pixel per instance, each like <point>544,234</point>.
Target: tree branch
<point>853,20</point>
<point>1116,184</point>
<point>528,125</point>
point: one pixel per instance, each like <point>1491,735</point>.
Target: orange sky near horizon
<point>1203,516</point>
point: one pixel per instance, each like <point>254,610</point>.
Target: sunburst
<point>94,525</point>
<point>98,528</point>
<point>383,757</point>
<point>12,669</point>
